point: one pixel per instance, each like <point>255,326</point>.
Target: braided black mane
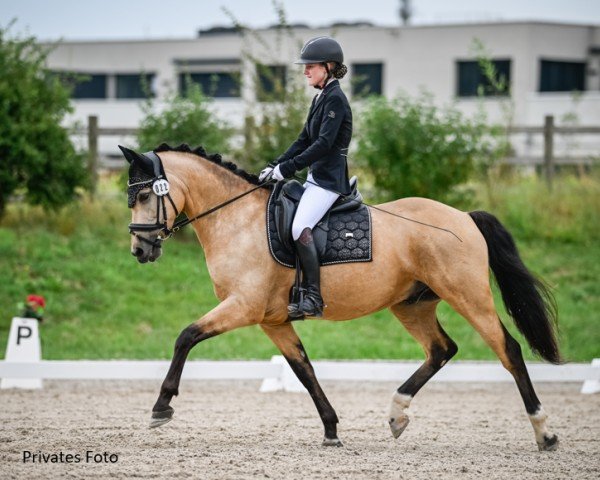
<point>214,158</point>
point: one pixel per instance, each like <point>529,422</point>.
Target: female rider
<point>322,146</point>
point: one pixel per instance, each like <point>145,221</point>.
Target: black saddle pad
<point>348,237</point>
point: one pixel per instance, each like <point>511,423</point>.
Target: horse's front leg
<point>228,315</point>
<point>285,338</point>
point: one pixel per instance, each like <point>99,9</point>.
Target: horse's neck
<point>208,185</point>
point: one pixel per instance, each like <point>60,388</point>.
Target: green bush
<point>185,118</point>
<point>37,158</point>
<point>409,147</point>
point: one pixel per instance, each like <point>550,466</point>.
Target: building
<point>550,68</point>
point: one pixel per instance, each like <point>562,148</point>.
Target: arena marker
<point>23,346</point>
<point>286,381</point>
<point>592,386</point>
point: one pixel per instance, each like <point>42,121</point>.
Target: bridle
<point>160,187</point>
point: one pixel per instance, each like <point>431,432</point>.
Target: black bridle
<point>160,187</point>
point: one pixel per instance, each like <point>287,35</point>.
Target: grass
<point>103,304</point>
<point>570,212</point>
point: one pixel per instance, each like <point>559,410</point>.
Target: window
<point>366,79</point>
<point>271,82</point>
<point>88,85</point>
<point>472,80</point>
<point>134,85</point>
<point>213,84</point>
<point>562,76</point>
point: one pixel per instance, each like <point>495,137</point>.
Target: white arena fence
<point>277,375</point>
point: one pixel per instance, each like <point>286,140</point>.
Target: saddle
<point>343,235</point>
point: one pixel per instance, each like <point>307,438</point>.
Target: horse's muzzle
<point>145,251</point>
<point>145,257</point>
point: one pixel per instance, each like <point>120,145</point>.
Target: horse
<point>413,268</point>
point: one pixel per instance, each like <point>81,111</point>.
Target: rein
<point>182,223</point>
<point>381,209</point>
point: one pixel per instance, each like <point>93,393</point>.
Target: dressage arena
<point>229,430</point>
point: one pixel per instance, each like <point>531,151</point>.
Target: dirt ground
<point>228,430</point>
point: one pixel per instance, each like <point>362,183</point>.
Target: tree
<point>185,118</point>
<point>37,157</point>
<point>412,148</point>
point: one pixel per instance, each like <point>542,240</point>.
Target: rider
<point>323,147</point>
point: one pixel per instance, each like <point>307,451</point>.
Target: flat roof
<point>230,31</point>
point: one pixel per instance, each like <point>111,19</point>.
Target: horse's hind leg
<point>420,321</point>
<point>480,312</point>
<point>285,338</point>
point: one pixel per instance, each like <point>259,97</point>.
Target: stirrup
<point>308,304</point>
<point>294,312</point>
<point>297,295</point>
<point>311,305</point>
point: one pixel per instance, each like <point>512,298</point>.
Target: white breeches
<point>313,205</point>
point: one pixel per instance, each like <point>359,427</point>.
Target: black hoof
<point>162,417</point>
<point>549,444</point>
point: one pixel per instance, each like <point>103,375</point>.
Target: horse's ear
<point>129,155</point>
<point>137,160</point>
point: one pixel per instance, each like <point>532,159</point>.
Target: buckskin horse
<point>413,268</point>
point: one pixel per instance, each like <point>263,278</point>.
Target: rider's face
<point>315,73</point>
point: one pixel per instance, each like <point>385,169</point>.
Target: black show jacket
<point>323,142</point>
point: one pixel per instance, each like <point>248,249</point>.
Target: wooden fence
<point>548,160</point>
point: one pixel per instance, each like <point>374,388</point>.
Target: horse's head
<point>151,216</point>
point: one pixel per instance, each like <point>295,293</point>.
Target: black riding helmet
<point>321,50</point>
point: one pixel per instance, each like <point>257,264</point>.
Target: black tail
<point>527,300</point>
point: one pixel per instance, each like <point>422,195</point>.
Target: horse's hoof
<point>332,442</point>
<point>160,418</point>
<point>398,425</point>
<point>549,444</point>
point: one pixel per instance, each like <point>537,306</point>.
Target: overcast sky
<point>116,19</point>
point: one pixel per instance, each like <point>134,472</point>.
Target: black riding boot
<point>311,304</point>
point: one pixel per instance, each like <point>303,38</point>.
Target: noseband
<point>160,187</point>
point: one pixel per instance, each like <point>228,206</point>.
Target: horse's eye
<point>144,196</point>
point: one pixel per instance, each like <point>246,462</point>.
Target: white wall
<point>414,58</point>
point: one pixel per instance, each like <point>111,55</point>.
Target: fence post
<point>549,149</point>
<point>93,152</point>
